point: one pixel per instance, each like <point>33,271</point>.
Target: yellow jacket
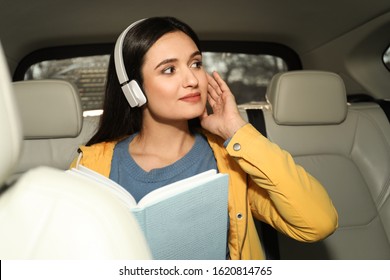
<point>264,182</point>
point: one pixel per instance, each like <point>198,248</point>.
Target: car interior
<point>47,214</point>
<point>324,100</point>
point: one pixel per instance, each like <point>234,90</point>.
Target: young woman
<point>172,136</point>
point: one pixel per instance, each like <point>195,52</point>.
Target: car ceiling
<point>302,25</point>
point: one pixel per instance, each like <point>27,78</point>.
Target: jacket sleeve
<point>280,192</point>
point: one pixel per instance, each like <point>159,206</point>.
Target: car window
<point>88,73</point>
<point>247,75</point>
<point>386,58</point>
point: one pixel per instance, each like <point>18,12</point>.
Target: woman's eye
<point>197,64</point>
<point>168,70</point>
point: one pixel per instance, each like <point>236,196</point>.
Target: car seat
<point>49,213</point>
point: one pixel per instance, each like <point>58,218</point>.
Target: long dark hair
<point>119,119</point>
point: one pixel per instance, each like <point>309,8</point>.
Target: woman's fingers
<point>214,92</point>
<point>211,96</point>
<point>220,82</point>
<point>214,84</point>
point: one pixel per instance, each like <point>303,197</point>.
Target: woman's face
<point>175,82</point>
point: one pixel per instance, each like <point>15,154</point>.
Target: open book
<point>184,220</point>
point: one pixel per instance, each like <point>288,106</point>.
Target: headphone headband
<point>131,89</point>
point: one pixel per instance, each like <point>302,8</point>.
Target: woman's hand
<point>225,119</point>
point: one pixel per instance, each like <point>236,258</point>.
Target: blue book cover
<point>186,220</point>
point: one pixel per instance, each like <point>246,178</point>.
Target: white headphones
<point>131,89</point>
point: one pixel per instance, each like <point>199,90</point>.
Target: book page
<point>114,187</point>
<point>176,187</point>
<point>152,197</point>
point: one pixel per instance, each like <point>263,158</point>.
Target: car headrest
<point>10,129</point>
<point>307,98</point>
<point>49,108</point>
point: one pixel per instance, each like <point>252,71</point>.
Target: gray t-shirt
<point>126,172</point>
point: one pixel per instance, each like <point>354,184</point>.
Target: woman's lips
<point>192,97</point>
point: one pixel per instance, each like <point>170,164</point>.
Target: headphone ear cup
<point>134,94</point>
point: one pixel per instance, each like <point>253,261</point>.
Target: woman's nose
<point>190,79</point>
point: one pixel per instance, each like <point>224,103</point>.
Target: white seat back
<point>11,133</point>
<point>347,148</point>
<point>51,214</point>
<point>53,126</point>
